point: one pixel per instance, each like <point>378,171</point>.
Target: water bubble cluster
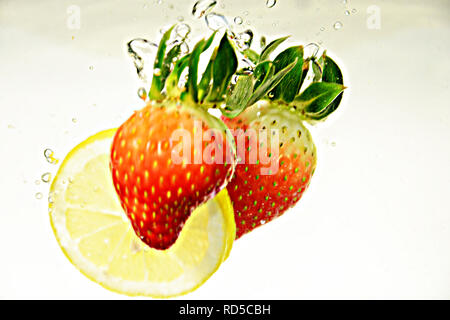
<point>139,49</point>
<point>216,21</point>
<point>182,30</point>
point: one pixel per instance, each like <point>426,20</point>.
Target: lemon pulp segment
<point>96,236</point>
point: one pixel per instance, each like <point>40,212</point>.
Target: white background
<point>375,222</point>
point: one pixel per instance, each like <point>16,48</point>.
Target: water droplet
<point>246,13</point>
<point>263,221</point>
<point>347,12</point>
<point>49,156</point>
<point>353,10</point>
<point>74,120</point>
<point>91,68</point>
<point>157,72</point>
<point>322,28</point>
<point>46,177</point>
<point>180,18</point>
<point>244,39</point>
<point>145,6</point>
<point>142,93</point>
<point>70,180</point>
<point>333,143</point>
<point>344,1</point>
<point>37,182</point>
<point>159,1</point>
<point>38,195</point>
<point>215,21</point>
<point>262,42</point>
<point>202,7</point>
<point>182,30</point>
<point>311,50</point>
<point>338,25</point>
<point>141,50</point>
<point>238,20</point>
<point>271,3</point>
<point>51,199</point>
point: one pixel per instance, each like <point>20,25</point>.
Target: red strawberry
<point>157,191</point>
<point>258,196</point>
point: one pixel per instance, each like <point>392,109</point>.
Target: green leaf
<point>268,85</point>
<point>224,66</point>
<point>168,60</point>
<point>270,48</point>
<point>332,73</point>
<point>237,101</point>
<point>263,71</point>
<point>305,69</point>
<point>193,69</point>
<point>289,87</point>
<point>204,85</point>
<point>174,77</point>
<point>194,58</point>
<point>318,96</point>
<point>251,55</point>
<point>157,83</point>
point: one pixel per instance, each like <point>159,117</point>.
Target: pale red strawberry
<point>257,197</point>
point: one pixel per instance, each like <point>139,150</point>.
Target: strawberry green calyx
<point>207,90</point>
<point>282,80</point>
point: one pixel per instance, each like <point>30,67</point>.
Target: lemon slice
<point>96,236</point>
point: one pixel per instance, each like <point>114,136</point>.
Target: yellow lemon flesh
<point>95,234</point>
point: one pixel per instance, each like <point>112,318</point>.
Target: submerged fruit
<point>163,168</point>
<point>285,156</point>
<point>96,236</point>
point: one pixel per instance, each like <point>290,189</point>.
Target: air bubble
<point>238,20</point>
<point>38,195</point>
<point>157,72</point>
<point>244,39</point>
<point>216,21</point>
<point>182,30</point>
<point>271,3</point>
<point>46,177</point>
<point>262,42</point>
<point>49,156</point>
<point>338,25</point>
<point>141,50</point>
<point>202,7</point>
<point>311,50</point>
<point>142,93</point>
<point>347,13</point>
